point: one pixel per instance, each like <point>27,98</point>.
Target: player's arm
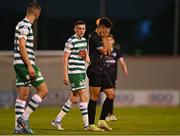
<point>87,57</point>
<point>123,66</point>
<point>67,52</point>
<point>65,64</point>
<point>23,52</point>
<point>103,51</point>
<point>106,48</point>
<point>103,48</point>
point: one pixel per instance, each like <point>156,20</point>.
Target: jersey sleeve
<point>23,32</point>
<point>68,46</point>
<point>119,54</point>
<point>96,41</point>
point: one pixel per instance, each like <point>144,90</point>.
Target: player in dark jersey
<point>111,62</point>
<point>97,74</point>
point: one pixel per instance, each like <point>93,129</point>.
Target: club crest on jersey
<point>73,84</point>
<point>82,83</point>
<point>114,54</point>
<point>25,27</point>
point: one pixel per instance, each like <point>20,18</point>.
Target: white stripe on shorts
<point>78,88</point>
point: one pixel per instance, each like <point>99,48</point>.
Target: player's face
<point>110,41</point>
<point>104,31</point>
<point>80,30</point>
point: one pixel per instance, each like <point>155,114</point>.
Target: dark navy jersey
<point>102,64</point>
<point>111,62</point>
<point>95,42</point>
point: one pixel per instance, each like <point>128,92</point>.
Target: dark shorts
<point>113,83</point>
<point>101,79</point>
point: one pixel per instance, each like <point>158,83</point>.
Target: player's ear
<point>75,29</point>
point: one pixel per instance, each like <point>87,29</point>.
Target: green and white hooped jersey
<point>76,64</point>
<point>24,30</point>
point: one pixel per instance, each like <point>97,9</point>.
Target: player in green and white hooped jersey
<point>75,56</point>
<point>27,72</point>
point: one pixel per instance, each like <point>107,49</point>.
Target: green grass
<point>137,121</point>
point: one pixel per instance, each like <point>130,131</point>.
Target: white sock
<point>65,109</point>
<point>33,104</point>
<point>84,111</point>
<point>19,110</point>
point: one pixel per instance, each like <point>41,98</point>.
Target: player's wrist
<point>29,66</point>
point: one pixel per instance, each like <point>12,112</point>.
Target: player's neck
<point>31,18</point>
<point>79,37</point>
<point>98,31</point>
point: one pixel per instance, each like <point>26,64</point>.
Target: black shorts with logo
<point>100,78</point>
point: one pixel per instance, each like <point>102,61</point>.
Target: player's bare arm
<point>87,57</point>
<point>102,51</point>
<point>65,61</point>
<point>106,49</point>
<point>106,46</point>
<point>123,67</point>
<point>24,55</point>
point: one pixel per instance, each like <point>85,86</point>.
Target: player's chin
<point>82,34</point>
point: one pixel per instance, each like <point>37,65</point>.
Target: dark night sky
<point>139,25</point>
<point>128,9</point>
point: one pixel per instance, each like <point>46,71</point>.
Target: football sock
<point>84,111</point>
<point>19,109</point>
<point>31,107</point>
<point>91,111</point>
<point>112,107</point>
<point>66,108</point>
<point>106,108</point>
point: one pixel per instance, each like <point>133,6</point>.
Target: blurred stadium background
<point>146,31</point>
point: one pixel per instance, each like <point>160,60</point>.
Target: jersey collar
<point>78,37</point>
<point>27,20</point>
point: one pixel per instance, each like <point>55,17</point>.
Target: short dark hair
<point>33,6</point>
<point>79,22</point>
<point>106,22</point>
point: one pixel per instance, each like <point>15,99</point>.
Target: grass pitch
<point>131,121</point>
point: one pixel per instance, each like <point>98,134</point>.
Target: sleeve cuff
<point>67,50</point>
<point>101,47</point>
<point>23,36</point>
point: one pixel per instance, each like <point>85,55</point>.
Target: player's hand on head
<point>65,80</point>
<point>31,71</point>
